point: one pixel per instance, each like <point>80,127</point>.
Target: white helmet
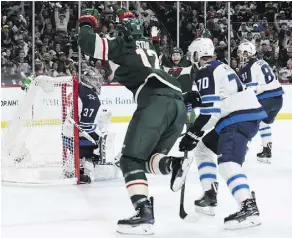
<point>245,51</point>
<point>92,78</point>
<point>201,47</point>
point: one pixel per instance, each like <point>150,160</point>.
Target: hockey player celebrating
<point>232,115</point>
<point>258,75</point>
<point>180,68</point>
<point>158,119</point>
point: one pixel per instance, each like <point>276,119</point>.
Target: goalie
<point>93,120</point>
<point>93,125</point>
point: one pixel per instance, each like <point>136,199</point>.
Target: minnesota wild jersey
<point>182,72</point>
<point>138,62</point>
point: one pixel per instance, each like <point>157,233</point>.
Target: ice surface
<point>92,211</point>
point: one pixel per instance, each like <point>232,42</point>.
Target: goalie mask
<point>176,55</point>
<point>92,78</point>
<point>246,51</point>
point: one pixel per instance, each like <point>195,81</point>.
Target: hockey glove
<point>155,34</point>
<point>122,13</point>
<point>26,83</point>
<point>190,141</point>
<point>89,17</point>
<point>192,98</point>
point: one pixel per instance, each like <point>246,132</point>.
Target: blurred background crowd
<point>267,24</point>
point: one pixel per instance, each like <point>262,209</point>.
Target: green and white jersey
<point>137,61</point>
<point>182,72</point>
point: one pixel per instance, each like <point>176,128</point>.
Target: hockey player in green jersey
<point>182,70</point>
<point>157,121</point>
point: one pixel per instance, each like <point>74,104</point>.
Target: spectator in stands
<point>61,18</point>
<point>285,74</point>
<point>220,50</point>
<point>267,25</point>
<point>15,41</point>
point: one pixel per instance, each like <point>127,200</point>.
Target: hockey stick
<point>84,133</point>
<point>182,213</point>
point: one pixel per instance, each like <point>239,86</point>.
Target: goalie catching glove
<point>89,17</point>
<point>190,140</point>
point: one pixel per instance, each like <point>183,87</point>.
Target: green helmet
<point>130,28</point>
<point>177,50</point>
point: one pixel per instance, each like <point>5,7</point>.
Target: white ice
<point>92,211</point>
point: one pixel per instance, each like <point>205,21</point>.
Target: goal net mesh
<point>34,148</point>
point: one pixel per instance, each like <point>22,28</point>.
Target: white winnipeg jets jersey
<point>224,101</point>
<point>258,75</point>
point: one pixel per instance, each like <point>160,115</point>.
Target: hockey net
<point>34,148</point>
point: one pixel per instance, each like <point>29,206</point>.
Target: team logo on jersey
<point>175,70</point>
<point>91,97</point>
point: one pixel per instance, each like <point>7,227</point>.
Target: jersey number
<point>269,76</point>
<point>237,80</point>
<point>203,83</point>
<point>244,76</point>
<point>148,57</point>
<point>87,112</point>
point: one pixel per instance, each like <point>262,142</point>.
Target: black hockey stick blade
<point>182,213</point>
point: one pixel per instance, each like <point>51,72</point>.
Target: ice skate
<point>206,205</point>
<point>141,223</point>
<point>180,167</point>
<point>248,216</point>
<point>266,154</point>
<point>84,179</point>
<point>86,171</point>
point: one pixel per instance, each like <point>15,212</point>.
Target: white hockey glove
<point>104,118</point>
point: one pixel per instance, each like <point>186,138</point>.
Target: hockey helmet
<point>245,51</point>
<point>176,55</point>
<point>129,27</point>
<point>92,78</point>
<point>199,48</point>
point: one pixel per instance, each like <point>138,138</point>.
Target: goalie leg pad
<point>88,168</point>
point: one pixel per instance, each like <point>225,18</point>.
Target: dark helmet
<point>177,50</point>
<point>128,26</point>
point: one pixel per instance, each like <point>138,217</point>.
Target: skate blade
<point>208,211</point>
<point>143,229</point>
<point>179,181</point>
<point>248,222</point>
<point>264,160</point>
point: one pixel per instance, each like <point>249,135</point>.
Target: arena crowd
<point>267,24</point>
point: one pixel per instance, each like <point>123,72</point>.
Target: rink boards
<point>116,98</point>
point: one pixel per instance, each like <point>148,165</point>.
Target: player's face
<point>243,57</point>
<point>289,65</point>
<point>176,57</point>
